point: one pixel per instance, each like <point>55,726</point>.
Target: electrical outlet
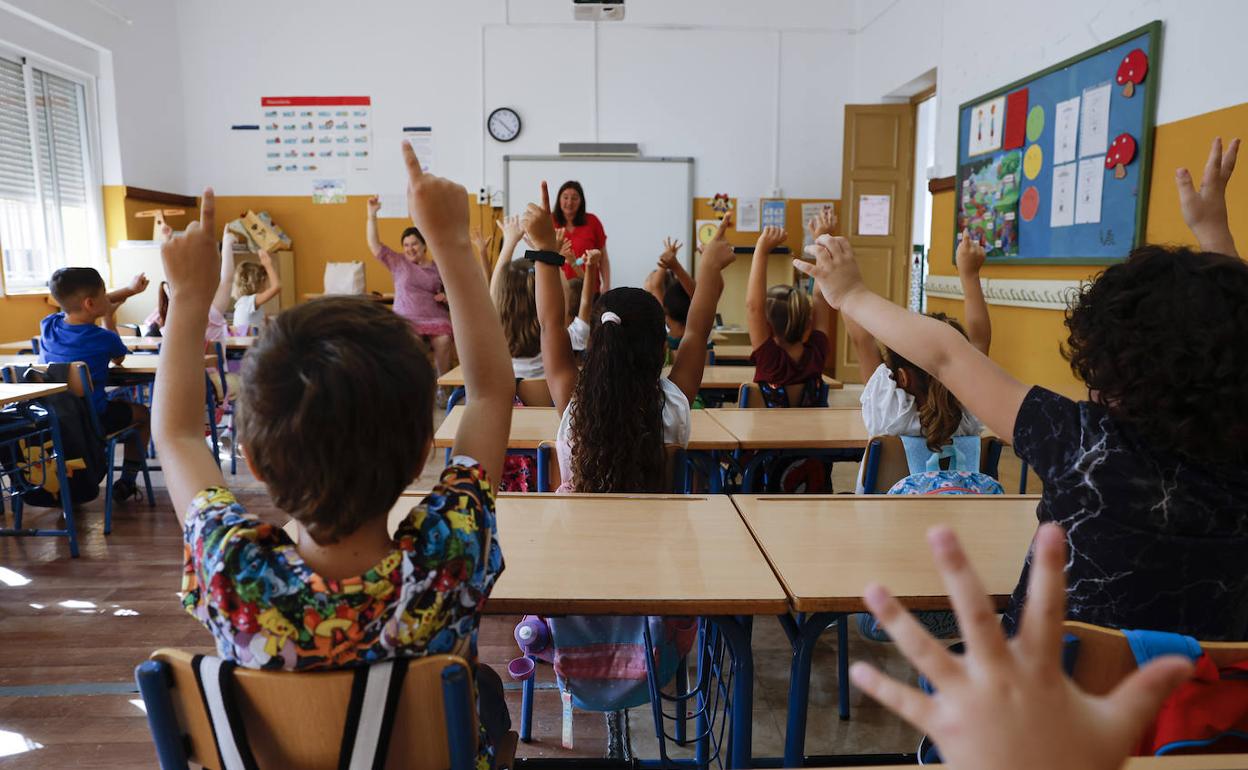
<point>483,195</point>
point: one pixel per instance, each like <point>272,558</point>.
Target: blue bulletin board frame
<point>1124,203</point>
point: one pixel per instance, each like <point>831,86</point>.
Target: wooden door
<point>879,161</point>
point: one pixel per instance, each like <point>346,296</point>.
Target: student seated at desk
<point>336,417</point>
<point>788,332</point>
<point>1149,477</point>
<point>72,335</point>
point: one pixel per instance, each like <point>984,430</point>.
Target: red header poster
<point>317,135</point>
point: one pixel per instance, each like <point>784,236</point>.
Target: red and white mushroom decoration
<point>1132,71</point>
<point>1121,153</point>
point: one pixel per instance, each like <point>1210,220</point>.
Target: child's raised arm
<point>823,223</point>
<point>370,231</point>
<point>274,281</point>
<point>668,261</point>
<point>221,300</point>
<point>593,264</point>
<point>865,346</point>
<point>690,360</point>
<point>982,386</point>
<point>439,208</point>
<point>512,233</point>
<point>756,288</point>
<point>191,269</point>
<point>1205,211</point>
<point>970,259</point>
<point>557,357</point>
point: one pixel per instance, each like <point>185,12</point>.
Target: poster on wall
<point>773,213</point>
<point>987,126</point>
<point>810,210</point>
<point>421,139</point>
<point>327,191</point>
<point>321,135</point>
<point>989,204</point>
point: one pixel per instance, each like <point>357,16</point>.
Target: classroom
<point>623,384</point>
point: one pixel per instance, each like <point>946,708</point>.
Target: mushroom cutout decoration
<point>1120,154</point>
<point>1132,71</point>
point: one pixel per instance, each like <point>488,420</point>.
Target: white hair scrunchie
<point>610,318</point>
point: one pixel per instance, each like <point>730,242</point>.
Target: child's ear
<point>903,378</point>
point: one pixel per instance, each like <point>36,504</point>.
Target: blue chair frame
<point>40,428</point>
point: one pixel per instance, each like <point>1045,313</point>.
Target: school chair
<point>885,464</point>
<point>675,475</point>
<point>200,709</point>
<point>219,388</point>
<point>751,396</point>
<point>1104,657</point>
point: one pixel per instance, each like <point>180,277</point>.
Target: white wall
<point>133,54</point>
<point>1007,41</point>
<point>695,79</point>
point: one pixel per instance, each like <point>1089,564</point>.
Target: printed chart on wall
<point>1055,167</point>
<point>325,136</point>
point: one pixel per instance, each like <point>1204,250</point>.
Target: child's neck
<point>78,318</point>
<point>352,555</point>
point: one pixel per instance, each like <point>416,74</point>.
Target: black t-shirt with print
<point>1156,541</point>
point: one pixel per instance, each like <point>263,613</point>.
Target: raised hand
<point>512,229</point>
<point>438,207</point>
<point>835,271</point>
<point>717,253</point>
<point>192,261</point>
<point>593,259</point>
<point>538,225</point>
<point>374,205</point>
<point>480,242</point>
<point>266,259</point>
<point>1007,703</point>
<point>823,223</point>
<point>138,284</point>
<point>565,245</point>
<point>667,260</point>
<point>1204,211</point>
<point>971,254</point>
<point>770,238</point>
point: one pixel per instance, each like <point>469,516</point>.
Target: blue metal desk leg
<point>526,706</point>
<point>736,631</point>
<point>804,635</point>
<point>750,473</point>
<point>456,396</point>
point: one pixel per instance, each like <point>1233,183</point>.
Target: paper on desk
<point>1062,212</point>
<point>1094,121</point>
<point>1066,130</point>
<point>873,214</point>
<point>1088,195</point>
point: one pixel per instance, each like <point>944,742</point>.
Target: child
<point>218,329</point>
<point>1007,704</point>
<point>419,295</point>
<point>336,418</point>
<point>578,300</point>
<point>1150,476</point>
<point>788,335</point>
<point>512,289</point>
<point>254,285</point>
<point>618,412</point>
<point>72,335</point>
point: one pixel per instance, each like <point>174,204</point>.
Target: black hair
<point>1162,338</point>
<point>412,231</point>
<point>579,218</point>
<point>70,285</point>
<point>676,302</point>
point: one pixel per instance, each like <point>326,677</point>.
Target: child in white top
<point>254,285</point>
<point>618,411</point>
<point>899,398</point>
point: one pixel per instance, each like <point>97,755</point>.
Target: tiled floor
<point>72,630</point>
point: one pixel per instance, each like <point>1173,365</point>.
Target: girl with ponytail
<point>788,332</point>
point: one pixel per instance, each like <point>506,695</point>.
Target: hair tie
<point>610,318</point>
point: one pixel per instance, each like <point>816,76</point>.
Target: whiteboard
<point>640,201</point>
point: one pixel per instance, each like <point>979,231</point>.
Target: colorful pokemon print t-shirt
<point>244,580</point>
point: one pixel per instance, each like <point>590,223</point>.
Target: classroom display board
<point>1055,168</point>
<point>640,201</point>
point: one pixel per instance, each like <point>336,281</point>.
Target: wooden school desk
<point>826,549</point>
<point>231,344</point>
<point>637,555</point>
<point>17,346</point>
<point>12,393</point>
<point>141,364</point>
<point>772,432</point>
<point>738,354</point>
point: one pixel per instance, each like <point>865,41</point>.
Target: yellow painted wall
<point>1026,341</point>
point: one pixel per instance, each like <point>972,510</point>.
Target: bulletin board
<point>1055,168</point>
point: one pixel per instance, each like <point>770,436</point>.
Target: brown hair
<point>336,412</point>
<point>249,278</point>
<point>517,309</point>
<point>70,285</point>
<point>940,414</point>
<point>578,218</point>
<point>788,312</point>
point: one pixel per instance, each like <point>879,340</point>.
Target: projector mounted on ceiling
<point>598,10</point>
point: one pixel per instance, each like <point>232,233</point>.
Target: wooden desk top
<point>11,393</point>
<point>733,352</point>
<point>720,377</point>
<point>16,346</point>
<point>794,428</point>
<point>135,364</point>
<point>827,549</point>
<point>532,425</point>
<point>627,555</point>
<point>153,343</point>
<point>1190,762</point>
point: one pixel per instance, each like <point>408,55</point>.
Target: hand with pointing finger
<point>192,261</point>
<point>539,228</point>
<point>1204,210</point>
<point>438,207</point>
<point>717,253</point>
<point>971,254</point>
<point>835,271</point>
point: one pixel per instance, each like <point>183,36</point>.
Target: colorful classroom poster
<point>810,210</point>
<point>1094,121</point>
<point>987,126</point>
<point>316,134</point>
<point>329,191</point>
<point>1090,184</point>
<point>748,215</point>
<point>421,138</point>
<point>1062,212</point>
<point>874,214</point>
<point>773,213</point>
<point>1066,130</point>
<point>989,204</point>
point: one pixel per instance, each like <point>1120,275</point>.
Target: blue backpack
<point>961,478</point>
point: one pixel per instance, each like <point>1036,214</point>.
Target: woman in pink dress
<point>418,293</point>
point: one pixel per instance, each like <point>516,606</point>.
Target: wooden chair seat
<point>1105,657</point>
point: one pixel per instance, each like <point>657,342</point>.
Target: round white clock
<point>503,124</point>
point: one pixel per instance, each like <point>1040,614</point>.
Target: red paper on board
<point>1015,120</point>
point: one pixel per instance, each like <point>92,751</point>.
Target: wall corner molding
<point>1014,292</point>
<point>941,184</point>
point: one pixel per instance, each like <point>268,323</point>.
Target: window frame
<point>91,145</point>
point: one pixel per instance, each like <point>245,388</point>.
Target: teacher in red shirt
<point>583,229</point>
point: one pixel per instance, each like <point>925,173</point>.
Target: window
<point>48,197</point>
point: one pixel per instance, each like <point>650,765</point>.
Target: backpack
<point>814,394</point>
<point>961,478</point>
<point>1208,714</point>
<point>81,443</point>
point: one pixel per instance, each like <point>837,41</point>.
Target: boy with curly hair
<point>1149,477</point>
